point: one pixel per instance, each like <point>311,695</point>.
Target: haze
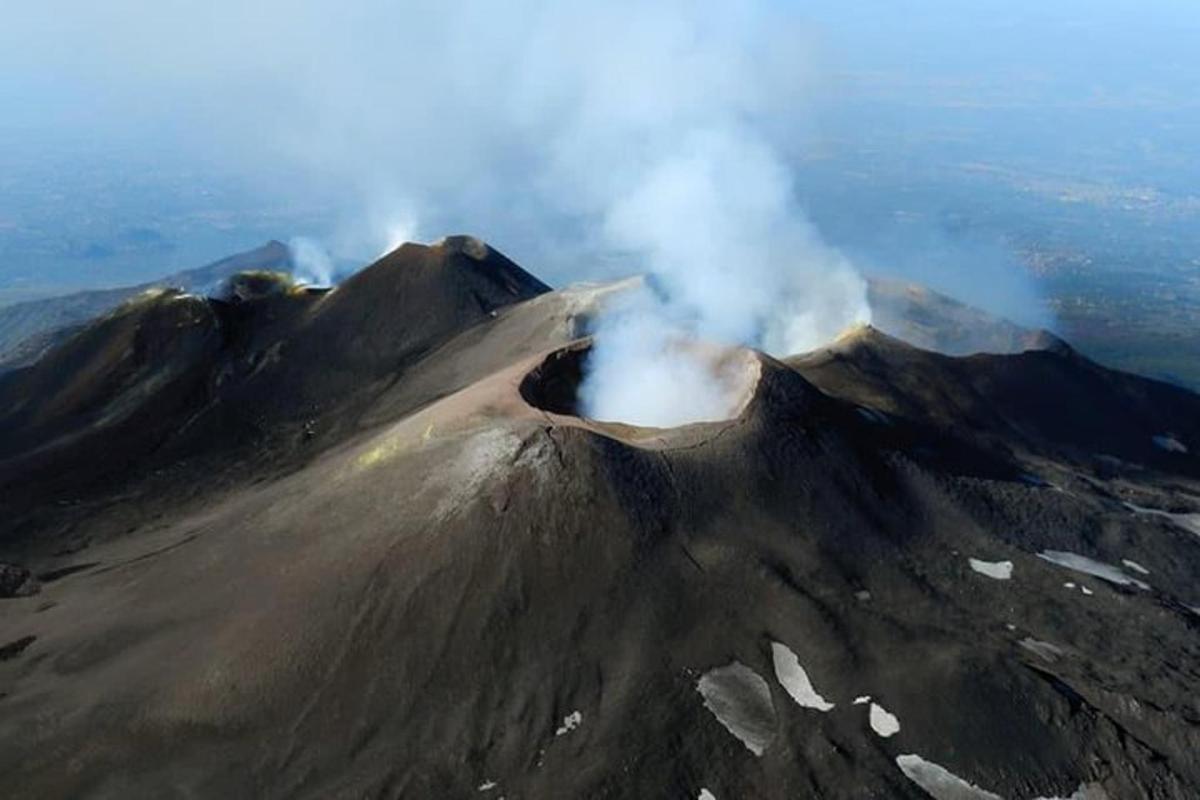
<point>136,138</point>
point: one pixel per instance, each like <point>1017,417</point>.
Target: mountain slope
<point>29,329</point>
<point>1051,400</point>
<point>456,587</point>
<point>932,321</point>
<point>255,381</point>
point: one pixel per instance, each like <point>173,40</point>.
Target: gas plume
<point>586,139</point>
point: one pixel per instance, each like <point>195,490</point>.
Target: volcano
<point>29,329</point>
<point>361,543</point>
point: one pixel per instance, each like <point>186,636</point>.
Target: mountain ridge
<point>390,559</point>
<point>29,329</point>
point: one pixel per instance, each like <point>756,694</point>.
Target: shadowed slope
<point>1052,400</point>
<point>30,329</point>
<point>254,380</point>
<point>459,588</point>
<point>932,321</point>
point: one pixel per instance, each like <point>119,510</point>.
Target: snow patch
<point>862,700</point>
<point>882,722</point>
<point>487,786</point>
<point>939,782</point>
<point>1136,567</point>
<point>705,794</point>
<point>1044,650</point>
<point>998,570</point>
<point>570,722</point>
<point>1089,566</point>
<point>741,701</point>
<point>1189,522</point>
<point>942,784</point>
<point>795,680</point>
<point>1169,443</point>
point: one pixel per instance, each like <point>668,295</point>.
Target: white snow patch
<point>1068,585</point>
<point>999,570</point>
<point>570,722</point>
<point>882,722</point>
<point>1042,649</point>
<point>741,701</point>
<point>942,784</point>
<point>1169,443</point>
<point>1088,566</point>
<point>1189,522</point>
<point>795,680</point>
<point>862,700</point>
<point>705,794</point>
<point>1136,567</point>
<point>939,782</point>
<point>487,786</point>
<point>1086,591</point>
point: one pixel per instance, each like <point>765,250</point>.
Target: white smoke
<point>644,370</point>
<point>311,263</point>
<point>734,261</point>
<point>714,219</point>
<point>382,221</point>
<point>651,136</point>
<point>394,230</point>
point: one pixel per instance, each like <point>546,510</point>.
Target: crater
<point>468,246</point>
<point>553,385</point>
<point>653,400</point>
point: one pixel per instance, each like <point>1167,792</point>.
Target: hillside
<point>360,543</point>
<point>29,329</point>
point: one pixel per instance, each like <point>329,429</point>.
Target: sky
<point>137,138</point>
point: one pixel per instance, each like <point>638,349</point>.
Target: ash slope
<point>933,321</point>
<point>357,544</point>
<point>30,329</point>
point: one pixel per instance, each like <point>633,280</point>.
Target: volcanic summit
<point>364,543</point>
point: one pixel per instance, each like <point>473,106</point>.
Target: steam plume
<point>311,264</point>
<point>735,262</point>
<point>584,139</point>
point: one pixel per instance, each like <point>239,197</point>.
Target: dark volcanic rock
<point>891,574</point>
<point>29,330</point>
<point>17,581</point>
<point>14,648</point>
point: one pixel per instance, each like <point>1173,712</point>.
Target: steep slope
<point>932,321</point>
<point>468,591</point>
<point>913,313</point>
<point>29,329</point>
<point>131,372</point>
<point>1051,400</point>
<point>278,377</point>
